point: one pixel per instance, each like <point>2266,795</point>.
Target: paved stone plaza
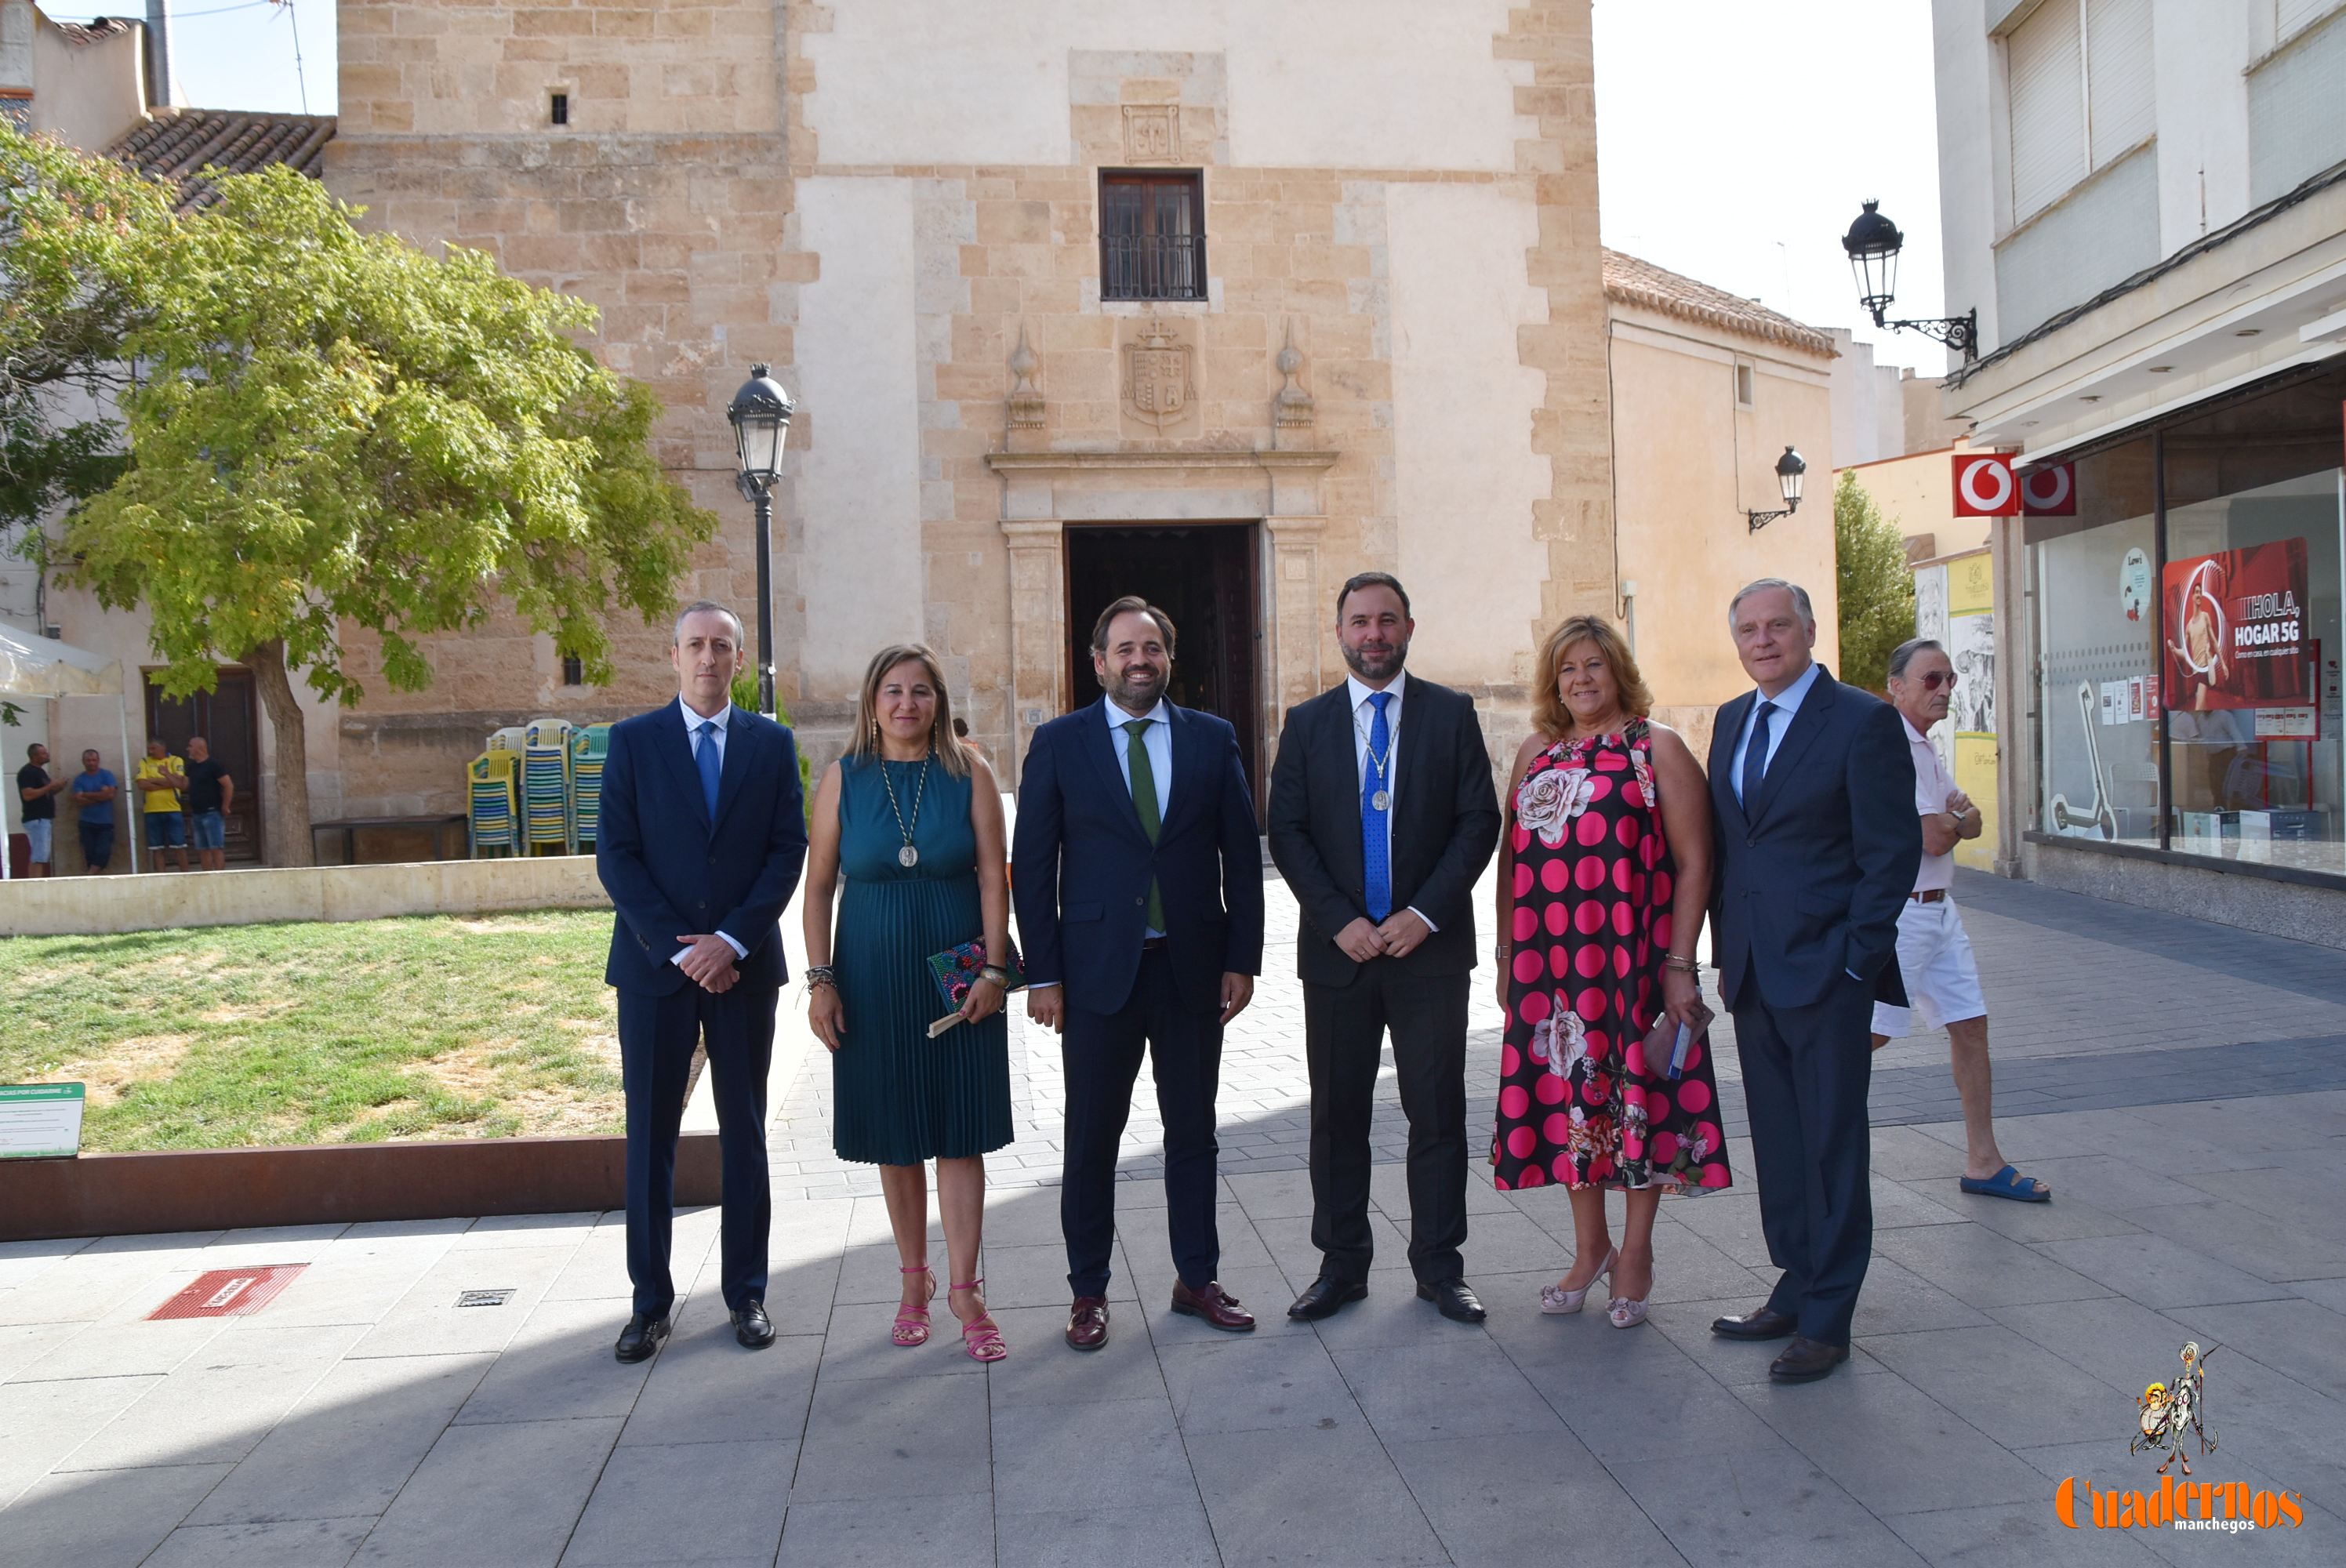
<point>2181,1086</point>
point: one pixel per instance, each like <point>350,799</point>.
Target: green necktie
<point>1144,800</point>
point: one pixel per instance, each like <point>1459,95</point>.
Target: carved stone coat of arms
<point>1158,376</point>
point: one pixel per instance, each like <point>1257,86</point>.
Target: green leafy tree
<point>1877,587</point>
<point>333,429</point>
<point>69,300</point>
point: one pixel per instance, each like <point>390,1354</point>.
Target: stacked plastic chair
<point>589,744</point>
<point>545,787</point>
<point>492,793</point>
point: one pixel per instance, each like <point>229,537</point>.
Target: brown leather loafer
<point>1759,1323</point>
<point>1087,1323</point>
<point>1218,1307</point>
<point>1805,1360</point>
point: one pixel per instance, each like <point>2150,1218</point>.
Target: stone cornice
<point>1113,461</point>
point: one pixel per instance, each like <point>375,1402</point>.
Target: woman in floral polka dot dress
<point>1604,874</point>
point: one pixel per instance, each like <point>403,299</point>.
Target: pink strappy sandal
<point>912,1324</point>
<point>982,1336</point>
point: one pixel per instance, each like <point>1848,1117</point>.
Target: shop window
<point>2186,636</point>
<point>2250,601</point>
<point>1152,235</point>
<point>2094,593</point>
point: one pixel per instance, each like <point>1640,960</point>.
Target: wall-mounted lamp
<point>1788,471</point>
<point>1873,243</point>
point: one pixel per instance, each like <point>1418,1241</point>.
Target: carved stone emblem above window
<point>1158,376</point>
<point>1152,133</point>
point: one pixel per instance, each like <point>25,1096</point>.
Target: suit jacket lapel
<point>676,747</point>
<point>1723,759</point>
<point>1100,742</point>
<point>1338,739</point>
<point>1408,736</point>
<point>1810,719</point>
<point>1184,789</point>
<point>741,737</point>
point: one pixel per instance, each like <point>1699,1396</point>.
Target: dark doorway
<point>1203,576</point>
<point>226,717</point>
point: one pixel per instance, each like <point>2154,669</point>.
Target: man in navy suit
<point>1138,876</point>
<point>702,838</point>
<point>1817,846</point>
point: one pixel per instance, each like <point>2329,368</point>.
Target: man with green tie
<point>1137,874</point>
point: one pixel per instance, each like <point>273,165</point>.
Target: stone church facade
<point>1215,302</point>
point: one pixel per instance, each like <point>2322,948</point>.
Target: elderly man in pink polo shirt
<point>1934,954</point>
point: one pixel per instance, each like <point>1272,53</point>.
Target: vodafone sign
<point>2050,492</point>
<point>1986,485</point>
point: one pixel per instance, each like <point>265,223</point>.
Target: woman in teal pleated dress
<point>911,823</point>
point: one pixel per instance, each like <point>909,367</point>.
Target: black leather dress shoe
<point>752,1327</point>
<point>640,1338</point>
<point>1324,1296</point>
<point>1763,1323</point>
<point>1805,1360</point>
<point>1453,1300</point>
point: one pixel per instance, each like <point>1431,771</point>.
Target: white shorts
<point>1934,957</point>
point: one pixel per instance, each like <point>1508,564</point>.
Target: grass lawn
<point>430,1027</point>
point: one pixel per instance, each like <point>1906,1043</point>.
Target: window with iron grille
<point>573,670</point>
<point>1152,235</point>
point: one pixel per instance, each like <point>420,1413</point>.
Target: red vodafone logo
<point>1986,485</point>
<point>2050,492</point>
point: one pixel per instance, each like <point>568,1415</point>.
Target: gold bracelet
<point>1683,965</point>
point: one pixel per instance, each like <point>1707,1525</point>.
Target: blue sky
<point>1735,140</point>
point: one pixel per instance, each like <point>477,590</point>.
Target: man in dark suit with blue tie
<point>701,841</point>
<point>1817,844</point>
<point>1137,875</point>
<point>1381,816</point>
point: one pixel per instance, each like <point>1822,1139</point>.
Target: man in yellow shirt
<point>158,780</point>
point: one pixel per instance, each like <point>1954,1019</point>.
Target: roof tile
<point>1637,283</point>
<point>178,144</point>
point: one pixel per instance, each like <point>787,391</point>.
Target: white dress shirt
<point>692,723</point>
<point>1787,703</point>
<point>1364,718</point>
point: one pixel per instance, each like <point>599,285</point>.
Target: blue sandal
<point>2009,1183</point>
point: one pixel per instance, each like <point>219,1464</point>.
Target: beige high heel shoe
<point>1556,1301</point>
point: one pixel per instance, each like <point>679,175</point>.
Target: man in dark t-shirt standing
<point>39,792</point>
<point>210,792</point>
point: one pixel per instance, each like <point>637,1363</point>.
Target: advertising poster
<point>2236,628</point>
<point>1970,639</point>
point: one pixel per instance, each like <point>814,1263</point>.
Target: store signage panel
<point>2050,490</point>
<point>1986,485</point>
<point>2236,632</point>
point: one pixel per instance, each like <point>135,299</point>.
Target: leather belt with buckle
<point>1151,943</point>
<point>1930,896</point>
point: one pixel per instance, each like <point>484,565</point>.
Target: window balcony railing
<point>1152,265</point>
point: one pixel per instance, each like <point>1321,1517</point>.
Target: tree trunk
<point>285,832</point>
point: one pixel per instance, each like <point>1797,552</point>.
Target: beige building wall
<point>88,90</point>
<point>1917,496</point>
<point>884,199</point>
<point>1689,461</point>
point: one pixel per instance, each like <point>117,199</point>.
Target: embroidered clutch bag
<point>955,971</point>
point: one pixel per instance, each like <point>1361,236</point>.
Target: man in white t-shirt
<point>1934,954</point>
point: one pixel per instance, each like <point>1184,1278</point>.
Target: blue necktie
<point>1376,843</point>
<point>710,767</point>
<point>1755,756</point>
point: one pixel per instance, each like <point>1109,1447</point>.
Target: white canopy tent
<point>43,666</point>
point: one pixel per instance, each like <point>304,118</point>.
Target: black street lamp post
<point>761,416</point>
<point>1873,243</point>
<point>1789,469</point>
